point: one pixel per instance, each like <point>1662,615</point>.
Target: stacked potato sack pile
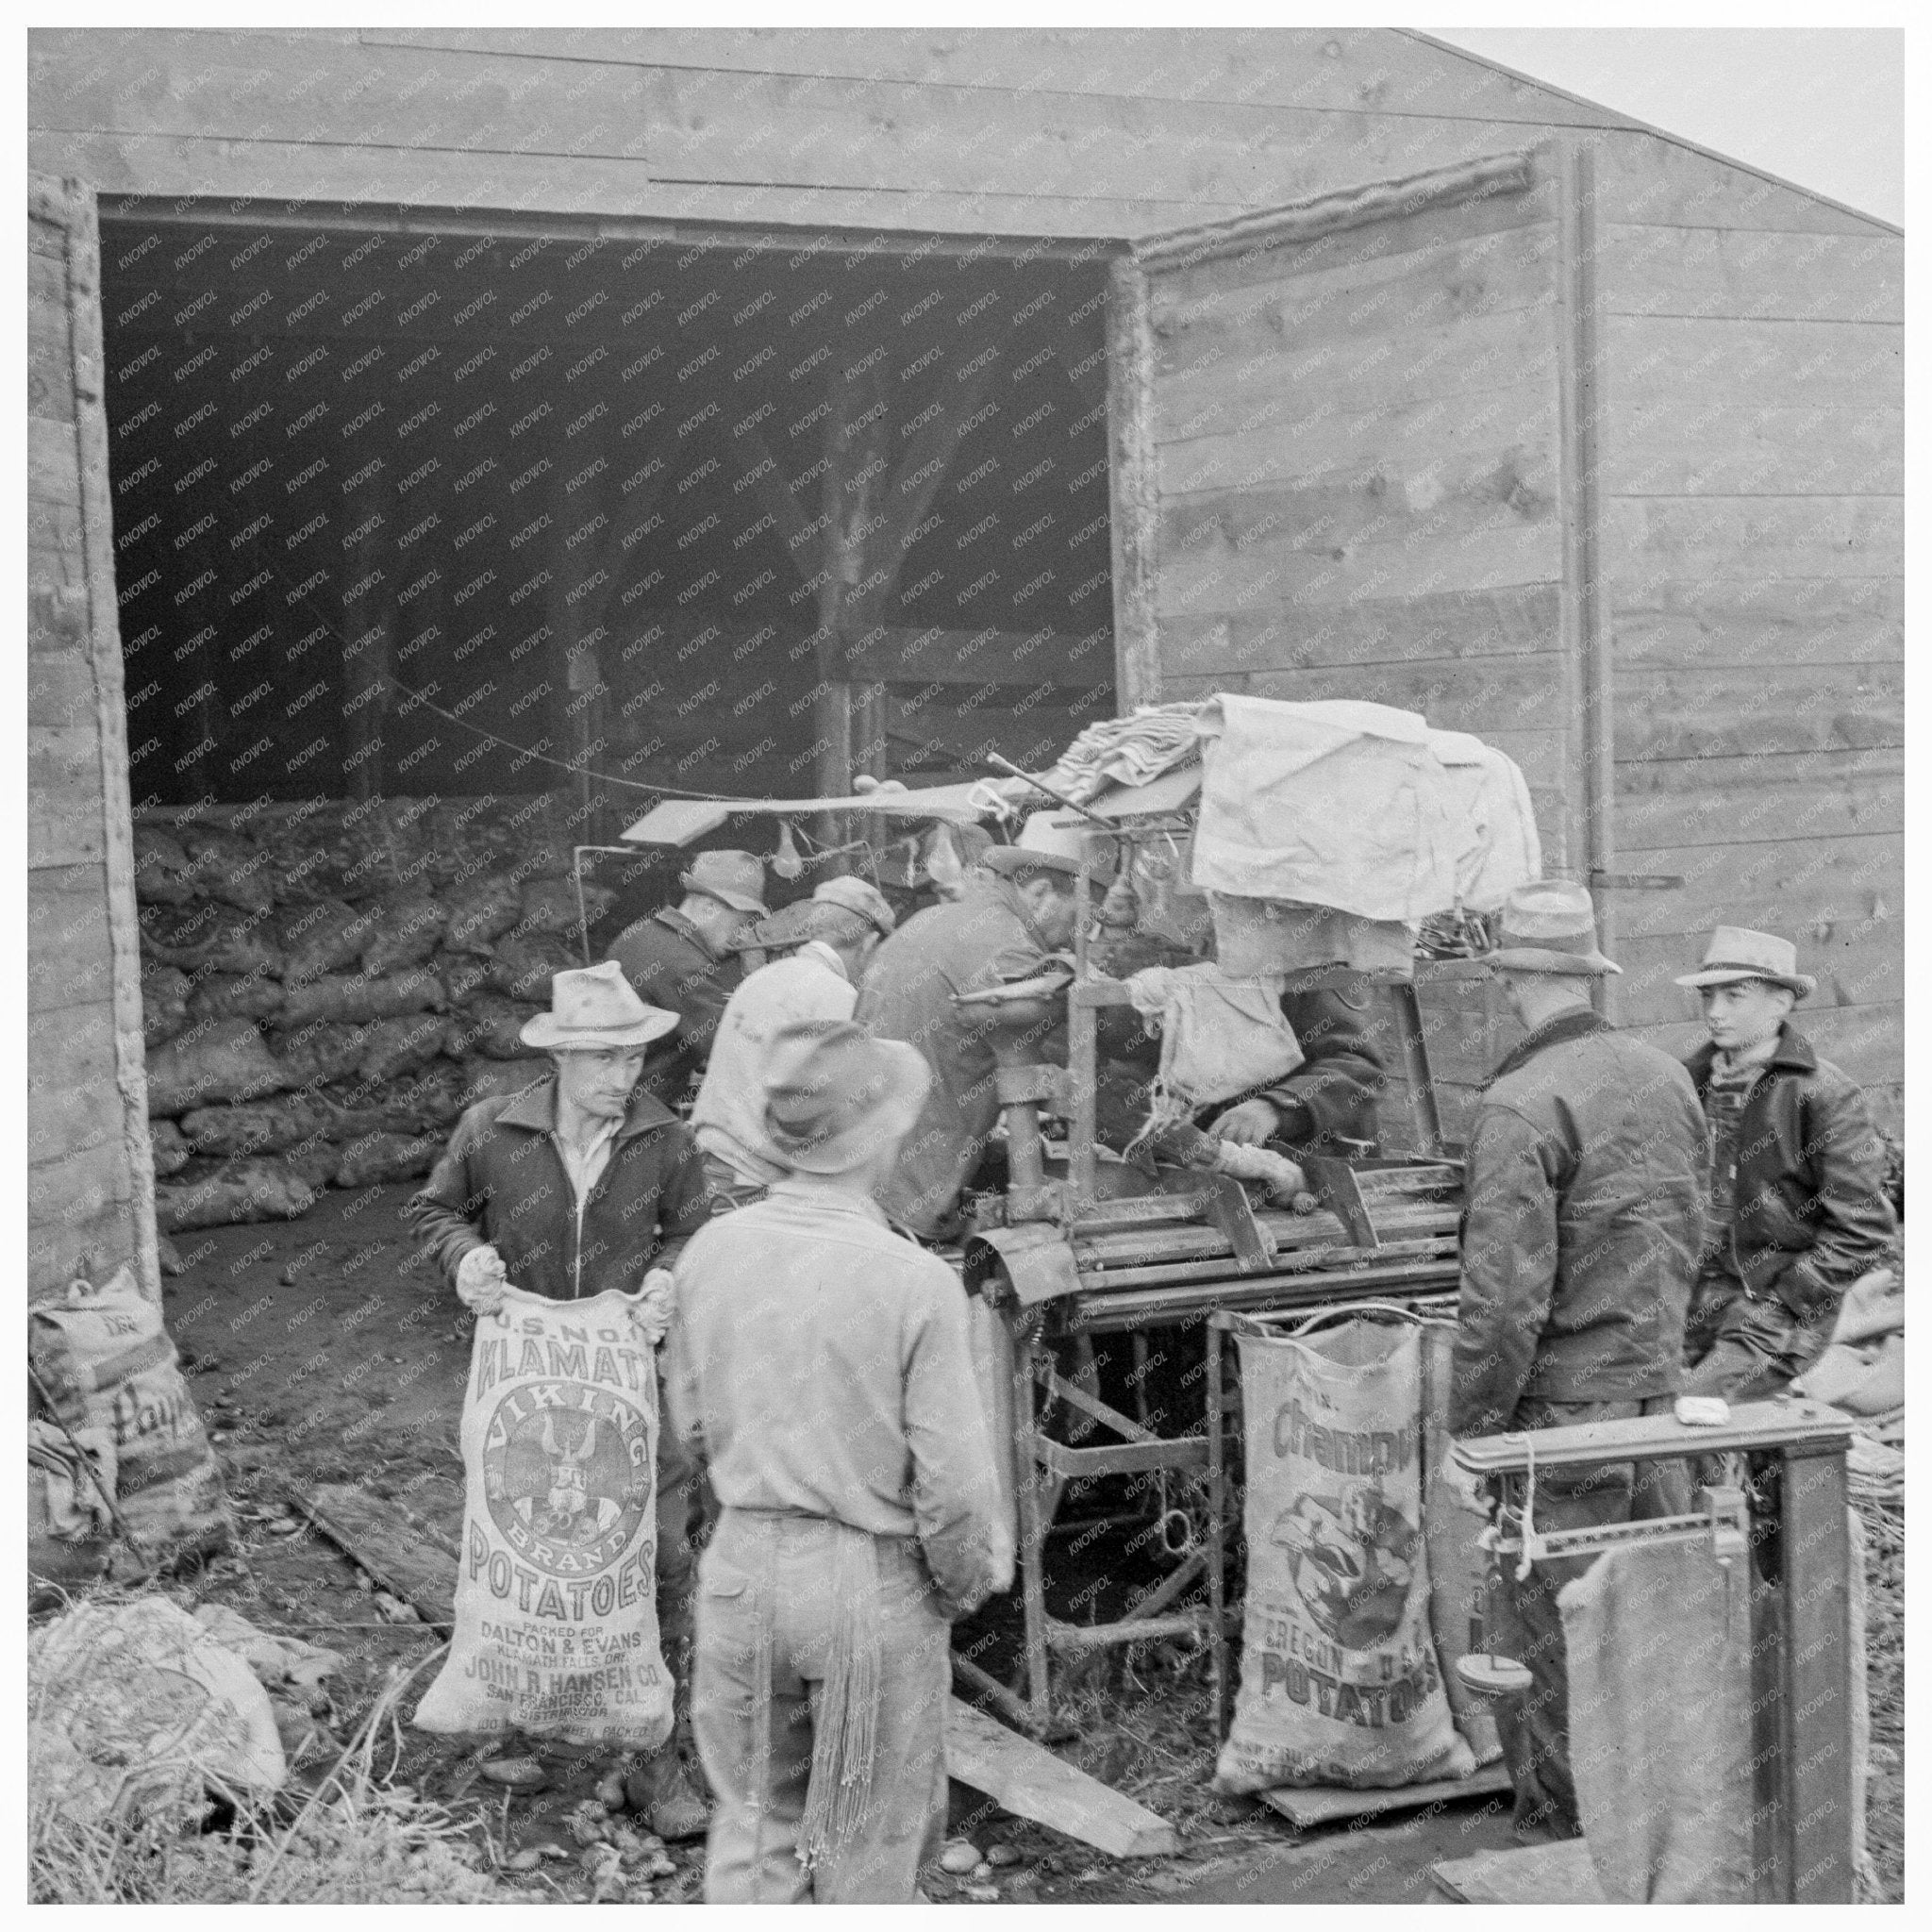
<point>326,986</point>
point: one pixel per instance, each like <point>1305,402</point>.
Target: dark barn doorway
<point>462,507</point>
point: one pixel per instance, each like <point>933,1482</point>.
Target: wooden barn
<point>437,412</point>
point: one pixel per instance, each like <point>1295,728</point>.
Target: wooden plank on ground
<point>1325,1804</point>
<point>1029,1781</point>
<point>409,1556</point>
<point>1559,1875</point>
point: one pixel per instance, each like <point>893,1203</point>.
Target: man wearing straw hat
<point>1798,1209</point>
<point>820,1363</point>
<point>1581,1237</point>
<point>684,959</point>
<point>581,1183</point>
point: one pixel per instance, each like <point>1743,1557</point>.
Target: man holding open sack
<point>580,1184</point>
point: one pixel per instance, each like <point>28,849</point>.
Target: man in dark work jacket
<point>1331,1096</point>
<point>1585,1215</point>
<point>682,958</point>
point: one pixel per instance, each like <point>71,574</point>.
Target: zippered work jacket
<point>502,1182</point>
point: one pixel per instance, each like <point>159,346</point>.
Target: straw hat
<point>594,1007</point>
<point>736,877</point>
<point>1046,842</point>
<point>1549,925</point>
<point>837,1096</point>
<point>1736,954</point>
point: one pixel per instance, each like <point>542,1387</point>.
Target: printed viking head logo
<point>1352,1557</point>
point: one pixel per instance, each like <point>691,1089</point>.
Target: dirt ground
<point>324,1351</point>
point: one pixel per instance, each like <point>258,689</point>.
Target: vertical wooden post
<point>369,623</point>
<point>1589,843</point>
<point>1817,1678</point>
<point>1217,1529</point>
<point>1136,521</point>
<point>1028,1478</point>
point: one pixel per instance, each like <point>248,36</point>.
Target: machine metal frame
<point>1062,1261</point>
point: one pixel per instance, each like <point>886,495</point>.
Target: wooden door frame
<point>71,206</point>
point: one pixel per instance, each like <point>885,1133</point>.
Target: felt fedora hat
<point>835,1095</point>
<point>736,877</point>
<point>804,919</point>
<point>1549,925</point>
<point>1736,954</point>
<point>594,1007</point>
<point>1046,842</point>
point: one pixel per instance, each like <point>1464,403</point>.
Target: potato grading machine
<point>1080,1243</point>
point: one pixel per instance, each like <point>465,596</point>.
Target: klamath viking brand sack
<point>1339,1683</point>
<point>555,1614</point>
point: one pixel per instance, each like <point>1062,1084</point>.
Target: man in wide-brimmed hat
<point>1580,1239</point>
<point>825,941</point>
<point>1798,1209</point>
<point>1022,905</point>
<point>820,1361</point>
<point>581,1183</point>
<point>685,957</point>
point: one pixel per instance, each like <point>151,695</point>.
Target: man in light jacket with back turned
<point>820,1361</point>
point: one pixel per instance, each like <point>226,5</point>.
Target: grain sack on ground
<point>371,1159</point>
<point>550,905</point>
<point>235,1192</point>
<point>1339,1683</point>
<point>525,964</point>
<point>491,1024</point>
<point>390,1047</point>
<point>481,911</point>
<point>228,867</point>
<point>405,932</point>
<point>264,1127</point>
<point>556,1619</point>
<point>109,1363</point>
<point>171,1150</point>
<point>235,996</point>
<point>464,975</point>
<point>324,937</point>
<point>225,1060</point>
<point>211,938</point>
<point>342,996</point>
<point>161,875</point>
<point>428,1102</point>
<point>313,1162</point>
<point>164,995</point>
<point>321,1050</point>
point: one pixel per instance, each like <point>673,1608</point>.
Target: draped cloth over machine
<point>1357,807</point>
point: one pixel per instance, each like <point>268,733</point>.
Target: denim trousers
<point>769,1605</point>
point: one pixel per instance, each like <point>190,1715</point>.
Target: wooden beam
<point>1136,498</point>
<point>1588,841</point>
<point>1029,1781</point>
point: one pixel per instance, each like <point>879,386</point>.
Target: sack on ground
<point>371,1159</point>
<point>346,996</point>
<point>1339,1683</point>
<point>136,1712</point>
<point>110,1364</point>
<point>229,1195</point>
<point>70,1533</point>
<point>1453,1520</point>
<point>555,1614</point>
<point>220,1060</point>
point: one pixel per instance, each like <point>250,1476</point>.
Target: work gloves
<point>481,1280</point>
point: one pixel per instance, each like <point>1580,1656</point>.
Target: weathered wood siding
<point>1751,397</point>
<point>1105,132</point>
<point>90,1177</point>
